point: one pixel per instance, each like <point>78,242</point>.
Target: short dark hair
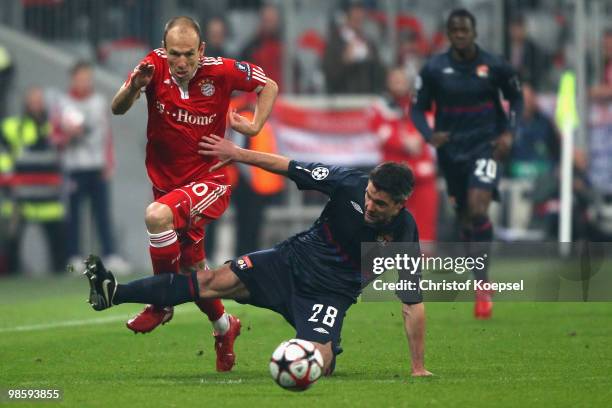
<point>190,22</point>
<point>79,65</point>
<point>461,13</point>
<point>395,179</point>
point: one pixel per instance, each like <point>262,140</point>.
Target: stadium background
<point>45,37</point>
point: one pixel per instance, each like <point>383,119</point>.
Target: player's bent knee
<point>478,204</point>
<point>220,283</point>
<point>478,211</point>
<point>158,218</point>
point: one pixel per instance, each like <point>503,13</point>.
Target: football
<point>296,365</point>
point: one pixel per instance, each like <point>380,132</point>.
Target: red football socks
<point>165,252</point>
<point>213,308</point>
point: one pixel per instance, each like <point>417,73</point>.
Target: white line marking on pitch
<point>66,323</point>
<point>84,322</point>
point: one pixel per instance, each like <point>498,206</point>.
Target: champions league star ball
<point>296,365</point>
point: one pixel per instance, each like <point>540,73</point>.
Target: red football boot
<point>483,307</point>
<point>224,345</point>
<point>150,318</point>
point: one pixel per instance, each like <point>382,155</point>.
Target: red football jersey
<point>178,118</point>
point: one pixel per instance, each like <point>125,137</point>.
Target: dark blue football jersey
<point>326,258</point>
<point>467,102</point>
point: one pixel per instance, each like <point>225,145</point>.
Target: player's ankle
<point>221,325</point>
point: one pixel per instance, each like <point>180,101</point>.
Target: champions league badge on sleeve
<point>320,173</point>
<point>243,67</point>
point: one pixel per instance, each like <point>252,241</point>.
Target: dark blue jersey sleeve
<point>422,101</point>
<point>317,176</point>
<point>510,86</point>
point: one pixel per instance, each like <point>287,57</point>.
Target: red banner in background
<point>342,136</point>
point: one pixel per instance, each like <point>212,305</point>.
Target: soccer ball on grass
<point>296,365</point>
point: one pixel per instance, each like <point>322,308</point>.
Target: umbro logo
<point>320,330</point>
<point>485,179</point>
<point>448,70</point>
<point>357,207</point>
<point>167,81</point>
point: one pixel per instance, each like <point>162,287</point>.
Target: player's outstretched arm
<point>130,91</point>
<point>414,325</point>
<point>227,151</point>
<point>263,108</point>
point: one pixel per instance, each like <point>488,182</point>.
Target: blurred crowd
<point>56,154</point>
<point>345,46</point>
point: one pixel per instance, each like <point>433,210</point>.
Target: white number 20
<point>330,314</point>
<point>486,168</point>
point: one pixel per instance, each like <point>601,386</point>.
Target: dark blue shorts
<point>268,277</point>
<point>480,173</point>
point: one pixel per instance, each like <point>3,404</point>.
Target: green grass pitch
<point>530,354</point>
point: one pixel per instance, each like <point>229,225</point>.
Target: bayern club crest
<point>207,87</point>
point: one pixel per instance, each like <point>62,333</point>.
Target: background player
<point>472,133</point>
<point>312,278</point>
<point>187,97</point>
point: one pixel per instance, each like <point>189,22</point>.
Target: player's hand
<point>421,373</point>
<point>439,138</point>
<point>142,75</point>
<point>213,145</point>
<point>242,125</point>
<point>502,146</point>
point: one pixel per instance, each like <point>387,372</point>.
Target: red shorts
<point>193,206</point>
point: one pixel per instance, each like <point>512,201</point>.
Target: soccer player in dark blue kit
<point>312,278</point>
<point>472,133</point>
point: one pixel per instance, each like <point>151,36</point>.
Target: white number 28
<point>330,314</point>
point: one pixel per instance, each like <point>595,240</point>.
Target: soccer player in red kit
<point>188,97</point>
